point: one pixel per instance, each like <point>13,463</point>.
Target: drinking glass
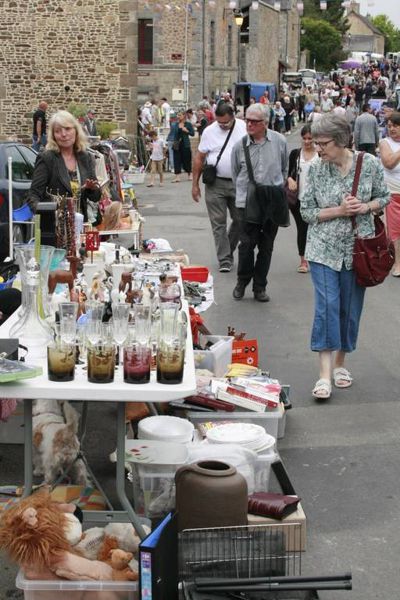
<point>120,322</point>
<point>142,316</point>
<point>68,317</point>
<point>81,341</point>
<point>60,361</point>
<point>171,345</point>
<point>169,292</point>
<point>137,363</point>
<point>94,313</point>
<point>101,363</point>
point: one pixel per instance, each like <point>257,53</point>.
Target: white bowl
<point>165,428</point>
<point>154,452</point>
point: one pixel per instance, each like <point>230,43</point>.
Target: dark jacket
<point>294,163</point>
<point>51,177</point>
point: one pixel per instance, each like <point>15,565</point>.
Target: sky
<point>391,8</point>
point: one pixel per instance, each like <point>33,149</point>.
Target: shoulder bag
<point>373,257</point>
<point>210,171</point>
<point>293,196</point>
<point>261,200</point>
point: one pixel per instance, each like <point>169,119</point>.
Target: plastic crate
<point>199,274</point>
<point>153,489</point>
<point>217,357</point>
<point>135,177</point>
<point>63,589</point>
<point>269,420</point>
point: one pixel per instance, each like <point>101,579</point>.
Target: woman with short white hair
<point>65,168</point>
<point>328,206</point>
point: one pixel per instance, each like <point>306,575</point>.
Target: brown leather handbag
<point>373,257</point>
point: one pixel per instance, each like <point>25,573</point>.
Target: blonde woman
<point>65,167</point>
<point>112,218</point>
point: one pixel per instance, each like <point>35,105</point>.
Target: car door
<point>22,171</point>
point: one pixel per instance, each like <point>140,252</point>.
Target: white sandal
<point>322,389</point>
<point>340,374</point>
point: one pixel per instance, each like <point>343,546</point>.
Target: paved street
<point>342,456</point>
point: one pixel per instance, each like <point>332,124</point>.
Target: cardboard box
<point>294,527</point>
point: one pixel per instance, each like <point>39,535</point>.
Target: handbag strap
<point>248,161</point>
<point>226,142</point>
<point>356,181</point>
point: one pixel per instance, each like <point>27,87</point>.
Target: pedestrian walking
<point>215,149</point>
<point>300,161</point>
<point>90,123</point>
<point>39,137</point>
<point>261,156</point>
<point>165,112</point>
<point>181,147</point>
<point>157,158</point>
<point>366,132</point>
<point>288,106</point>
<point>327,205</point>
<point>390,157</point>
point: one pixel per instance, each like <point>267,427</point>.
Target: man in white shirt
<point>165,110</point>
<point>326,104</point>
<point>145,114</point>
<point>220,195</point>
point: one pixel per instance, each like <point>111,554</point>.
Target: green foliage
<point>389,30</point>
<point>104,128</point>
<point>323,42</point>
<point>335,14</point>
<point>78,110</point>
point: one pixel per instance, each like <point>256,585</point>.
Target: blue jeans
<point>39,144</point>
<point>338,305</point>
<point>170,156</point>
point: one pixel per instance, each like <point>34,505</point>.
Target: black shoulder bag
<point>264,202</point>
<point>210,171</point>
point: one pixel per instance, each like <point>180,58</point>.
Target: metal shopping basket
<point>248,562</point>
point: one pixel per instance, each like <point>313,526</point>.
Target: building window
<point>212,43</point>
<point>229,46</point>
<point>145,42</point>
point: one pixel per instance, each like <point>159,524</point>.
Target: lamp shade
<point>239,19</point>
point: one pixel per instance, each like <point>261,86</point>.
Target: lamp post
<point>238,16</point>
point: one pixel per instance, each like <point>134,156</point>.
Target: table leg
<point>126,505</point>
<point>28,475</point>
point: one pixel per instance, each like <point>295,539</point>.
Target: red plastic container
<point>193,273</point>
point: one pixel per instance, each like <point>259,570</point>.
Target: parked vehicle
<point>293,78</point>
<point>245,90</point>
<point>23,163</point>
<point>309,77</point>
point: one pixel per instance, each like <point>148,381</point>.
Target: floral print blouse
<point>331,242</point>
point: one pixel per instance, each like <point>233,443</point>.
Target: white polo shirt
<point>213,139</point>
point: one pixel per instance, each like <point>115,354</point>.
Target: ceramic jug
<point>210,493</point>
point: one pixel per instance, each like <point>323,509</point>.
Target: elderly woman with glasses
<point>327,205</point>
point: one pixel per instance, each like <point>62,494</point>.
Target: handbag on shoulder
<point>210,171</point>
<point>373,257</point>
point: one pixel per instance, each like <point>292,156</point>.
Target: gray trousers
<point>220,199</point>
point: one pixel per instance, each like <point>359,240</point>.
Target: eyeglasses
<point>322,145</point>
<point>253,121</point>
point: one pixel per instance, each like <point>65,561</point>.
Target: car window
<point>30,157</point>
<point>21,170</point>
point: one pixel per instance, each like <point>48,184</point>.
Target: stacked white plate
<point>250,436</point>
<point>166,429</point>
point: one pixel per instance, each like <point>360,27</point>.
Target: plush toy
<point>42,537</point>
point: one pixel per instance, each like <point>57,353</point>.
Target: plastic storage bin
<point>269,420</point>
<point>217,358</point>
<point>154,489</point>
<point>62,589</point>
<point>199,274</point>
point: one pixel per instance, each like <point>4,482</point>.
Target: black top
<point>51,177</point>
<point>39,115</point>
<point>294,163</point>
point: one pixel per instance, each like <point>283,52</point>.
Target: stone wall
<point>359,29</point>
<point>63,51</point>
<point>173,30</point>
<point>262,51</point>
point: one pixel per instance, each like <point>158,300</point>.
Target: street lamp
<point>239,18</point>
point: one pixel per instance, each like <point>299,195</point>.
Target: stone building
<point>67,51</point>
<point>363,36</point>
<point>188,49</point>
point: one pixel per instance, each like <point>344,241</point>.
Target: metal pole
<point>10,211</point>
<point>186,82</point>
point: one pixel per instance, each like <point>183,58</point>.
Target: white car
<point>309,77</point>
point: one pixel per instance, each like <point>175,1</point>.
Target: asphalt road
<point>342,456</point>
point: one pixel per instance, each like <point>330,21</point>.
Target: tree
<point>389,30</point>
<point>323,42</point>
<point>335,14</point>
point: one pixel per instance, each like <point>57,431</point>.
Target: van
<point>292,78</point>
<point>309,77</point>
<point>394,57</point>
